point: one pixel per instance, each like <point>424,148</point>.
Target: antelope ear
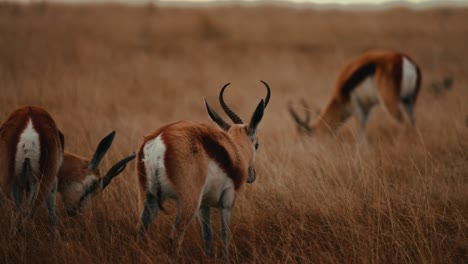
<point>101,150</point>
<point>216,118</point>
<point>256,118</point>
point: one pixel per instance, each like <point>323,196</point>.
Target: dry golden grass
<point>100,68</point>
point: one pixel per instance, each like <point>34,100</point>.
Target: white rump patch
<point>409,78</point>
<point>154,152</point>
<point>28,147</point>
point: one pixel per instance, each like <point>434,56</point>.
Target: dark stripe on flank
<point>356,78</point>
<point>218,153</point>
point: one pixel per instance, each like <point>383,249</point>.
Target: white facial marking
<point>28,147</point>
<point>216,182</point>
<point>89,180</point>
<point>84,186</point>
<point>409,78</point>
<point>154,152</point>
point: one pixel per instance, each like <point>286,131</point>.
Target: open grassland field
<point>103,68</point>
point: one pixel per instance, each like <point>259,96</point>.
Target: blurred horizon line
<point>319,4</point>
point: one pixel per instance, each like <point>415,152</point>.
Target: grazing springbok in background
<point>31,153</point>
<point>385,77</point>
<point>200,166</point>
<point>79,179</point>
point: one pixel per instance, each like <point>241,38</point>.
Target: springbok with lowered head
<point>31,153</point>
<point>200,166</point>
<point>386,77</point>
<point>79,178</point>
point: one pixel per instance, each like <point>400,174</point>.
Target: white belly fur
<point>28,147</point>
<point>365,93</point>
<point>409,78</point>
<point>216,182</point>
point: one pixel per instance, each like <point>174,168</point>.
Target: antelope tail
<point>159,191</point>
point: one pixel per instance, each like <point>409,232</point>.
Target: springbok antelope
<point>385,77</point>
<point>200,166</point>
<point>79,178</point>
<point>31,153</point>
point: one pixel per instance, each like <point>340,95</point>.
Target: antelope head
<point>303,125</point>
<point>245,135</point>
<point>80,178</point>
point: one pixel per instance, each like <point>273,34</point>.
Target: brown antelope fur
<point>79,178</point>
<point>199,137</point>
<point>31,152</point>
<point>200,166</point>
<point>386,77</point>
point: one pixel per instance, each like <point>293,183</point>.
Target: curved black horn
<point>267,98</point>
<point>216,118</point>
<point>235,118</point>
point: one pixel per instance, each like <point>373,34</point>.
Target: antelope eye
<point>256,146</point>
